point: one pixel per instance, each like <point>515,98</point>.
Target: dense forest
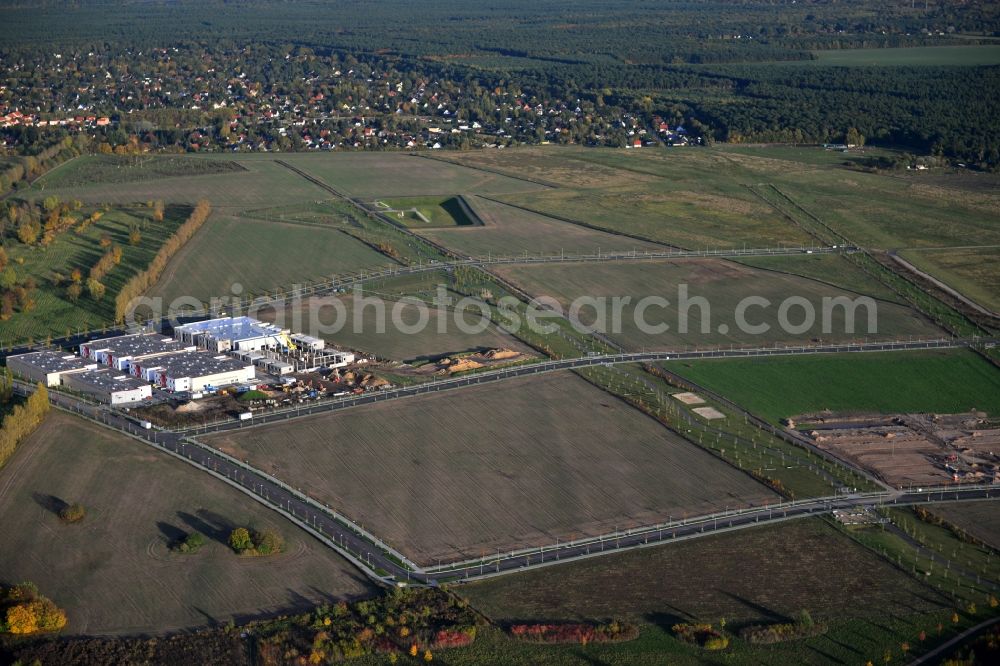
<point>311,74</point>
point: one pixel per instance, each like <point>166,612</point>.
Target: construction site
<point>911,450</point>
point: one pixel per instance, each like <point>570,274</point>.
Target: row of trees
<point>142,281</point>
<point>22,421</point>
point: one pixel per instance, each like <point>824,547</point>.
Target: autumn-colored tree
<point>239,540</point>
<point>95,289</point>
<point>8,277</point>
<point>105,240</point>
<point>3,258</point>
<point>268,542</point>
<point>922,636</point>
<point>76,275</point>
<point>414,650</point>
<point>50,617</point>
<point>158,211</point>
<point>134,235</point>
<point>73,291</point>
<point>428,657</point>
<point>28,231</point>
<point>21,619</point>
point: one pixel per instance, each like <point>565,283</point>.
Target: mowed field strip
<point>723,284</point>
<point>510,230</point>
<point>506,466</point>
<point>114,572</point>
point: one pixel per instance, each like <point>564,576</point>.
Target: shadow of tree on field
<point>50,503</point>
<point>664,621</point>
<point>209,523</point>
<point>766,614</point>
<point>171,533</point>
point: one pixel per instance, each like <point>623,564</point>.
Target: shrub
<point>702,634</point>
<point>72,513</point>
<point>190,544</point>
<point>239,540</point>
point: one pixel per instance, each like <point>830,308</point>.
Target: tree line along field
<point>940,381</point>
<point>502,466</point>
<point>51,267</point>
<point>114,572</point>
<point>723,284</point>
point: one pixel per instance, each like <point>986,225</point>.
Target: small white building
<point>304,341</point>
<point>109,387</point>
<point>47,367</point>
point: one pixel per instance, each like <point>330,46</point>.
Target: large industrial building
<point>232,334</point>
<point>47,367</point>
<point>109,386</point>
<point>122,352</point>
<point>196,371</point>
<point>201,356</point>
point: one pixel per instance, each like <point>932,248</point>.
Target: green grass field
<point>261,183</point>
<point>973,55</point>
<point>392,342</point>
<point>114,571</point>
<point>830,268</point>
<point>427,212</point>
<point>971,271</point>
<point>103,169</point>
<point>372,175</point>
<point>942,381</point>
<point>507,230</point>
<point>723,284</point>
<point>55,312</point>
<point>260,256</point>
